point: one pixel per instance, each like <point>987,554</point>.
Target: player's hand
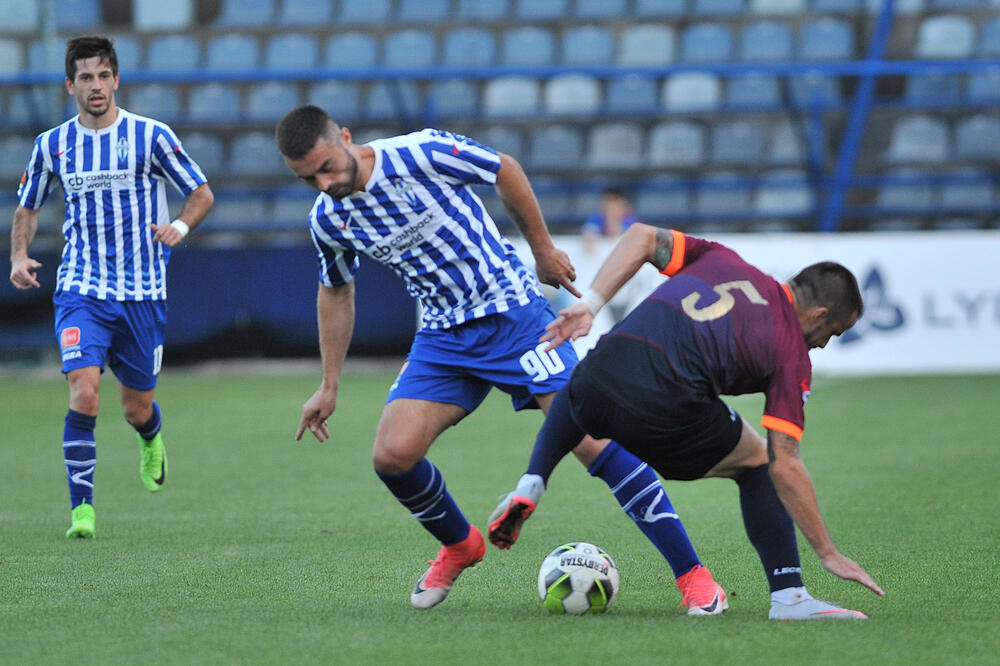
<point>573,322</point>
<point>166,234</point>
<point>846,568</point>
<point>315,412</point>
<point>23,275</point>
<point>554,268</point>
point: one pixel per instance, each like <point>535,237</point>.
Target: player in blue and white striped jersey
<point>407,202</point>
<point>110,292</point>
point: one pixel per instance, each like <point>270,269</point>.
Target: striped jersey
<point>114,183</point>
<point>419,216</point>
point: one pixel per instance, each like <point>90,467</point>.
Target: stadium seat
<point>784,192</point>
<point>902,195</point>
<point>556,147</point>
<point>213,102</point>
<point>540,10</point>
<point>984,86</point>
<point>129,51</point>
<point>706,42</point>
<point>555,200</point>
<point>267,102</point>
<point>415,12</point>
<point>365,12</point>
<point>23,108</point>
<point>393,99</point>
<point>572,94</point>
<point>154,15</point>
<point>155,100</point>
<point>654,9</point>
<point>503,139</point>
<point>588,45</point>
<point>753,91</point>
<point>919,138</point>
<point>350,50</point>
<point>291,209</point>
<point>410,48</point>
<point>721,192</point>
<point>661,197</point>
<point>615,145</point>
<point>482,10</point>
<point>46,56</point>
<point>945,36</point>
<point>527,45</point>
<point>253,154</point>
<point>290,51</point>
<point>19,17</point>
<point>243,211</point>
<point>933,86</point>
<point>469,47</point>
<point>976,138</point>
<point>646,45</point>
<point>835,6</point>
<point>770,7</point>
<point>717,7</point>
<point>180,53</point>
<point>676,144</point>
<point>11,56</point>
<point>243,13</point>
<point>305,13</point>
<point>956,4</point>
<point>902,7</point>
<point>692,91</point>
<point>600,9</point>
<point>826,39</point>
<point>17,151</point>
<point>989,43</point>
<point>765,41</point>
<point>232,52</point>
<point>341,99</point>
<point>737,142</point>
<point>632,93</point>
<point>785,146</point>
<point>453,98</point>
<point>207,150</point>
<point>76,16</point>
<point>511,96</point>
<point>814,89</point>
<point>976,192</point>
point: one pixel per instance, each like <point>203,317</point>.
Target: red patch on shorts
<point>70,337</point>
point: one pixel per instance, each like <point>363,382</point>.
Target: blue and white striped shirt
<point>113,181</point>
<point>419,216</point>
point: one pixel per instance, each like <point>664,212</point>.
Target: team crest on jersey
<point>405,189</point>
<point>805,391</point>
<point>123,149</point>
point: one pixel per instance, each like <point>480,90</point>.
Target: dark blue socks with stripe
<point>150,428</point>
<point>80,456</point>
<point>421,489</point>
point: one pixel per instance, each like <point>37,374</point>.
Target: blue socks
<point>559,435</point>
<point>639,490</point>
<point>770,529</point>
<point>150,429</point>
<point>80,456</point>
<point>421,489</point>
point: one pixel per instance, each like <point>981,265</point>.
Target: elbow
<point>207,196</point>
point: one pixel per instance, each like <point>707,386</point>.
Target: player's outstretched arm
<point>335,317</point>
<point>23,269</point>
<point>797,493</point>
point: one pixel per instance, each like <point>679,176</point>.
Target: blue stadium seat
<point>410,48</point>
<point>976,138</point>
<point>660,197</point>
<point>814,89</point>
<point>305,13</point>
<point>903,195</point>
<point>20,17</point>
<point>511,96</point>
<point>482,10</point>
<point>540,10</point>
<point>527,45</point>
<point>653,9</point>
<point>365,12</point>
<point>341,99</point>
<point>291,209</point>
<point>706,42</point>
<point>785,144</point>
<point>554,199</point>
<point>933,86</point>
<point>676,144</point>
<point>989,43</point>
<point>836,6</point>
<point>46,56</point>
<point>129,52</point>
<point>469,47</point>
<point>350,50</point>
<point>242,212</point>
<point>156,15</point>
<point>615,145</point>
<point>753,91</point>
<point>268,101</point>
<point>946,36</point>
<point>232,53</point>
<point>766,41</point>
<point>291,50</point>
<point>207,150</point>
<point>956,4</point>
<point>503,139</point>
<point>180,53</point>
<point>572,94</point>
<point>984,86</point>
<point>784,192</point>
<point>717,7</point>
<point>253,154</point>
<point>155,100</point>
<point>720,192</point>
<point>17,150</point>
<point>771,7</point>
<point>11,56</point>
<point>600,9</point>
<point>588,45</point>
<point>23,108</point>
<point>556,147</point>
<point>692,91</point>
<point>412,12</point>
<point>826,39</point>
<point>632,94</point>
<point>213,102</point>
<point>77,16</point>
<point>244,13</point>
<point>902,7</point>
<point>737,142</point>
<point>453,98</point>
<point>646,45</point>
<point>392,100</point>
<point>918,138</point>
<point>970,194</point>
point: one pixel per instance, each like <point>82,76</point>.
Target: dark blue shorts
<point>127,335</point>
<point>459,365</point>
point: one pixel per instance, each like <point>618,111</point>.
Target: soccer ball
<point>578,578</point>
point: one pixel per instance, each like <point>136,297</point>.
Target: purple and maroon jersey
<point>721,326</point>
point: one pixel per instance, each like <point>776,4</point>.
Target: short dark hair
<point>831,285</point>
<point>89,46</point>
<point>301,128</point>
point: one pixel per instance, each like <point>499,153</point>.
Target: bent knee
<point>588,450</point>
<point>388,459</point>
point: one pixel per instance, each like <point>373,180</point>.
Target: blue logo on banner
<point>881,311</point>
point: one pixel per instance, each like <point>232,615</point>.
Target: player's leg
<point>80,448</point>
<point>143,413</point>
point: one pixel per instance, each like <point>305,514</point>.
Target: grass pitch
<point>264,550</point>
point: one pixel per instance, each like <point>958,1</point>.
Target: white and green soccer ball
<point>578,578</point>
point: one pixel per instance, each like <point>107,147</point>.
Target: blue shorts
<point>128,335</point>
<point>459,365</point>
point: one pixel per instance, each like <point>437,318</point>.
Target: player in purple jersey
<point>718,326</point>
<point>110,294</point>
<point>406,202</point>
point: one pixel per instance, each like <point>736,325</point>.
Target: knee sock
<point>421,489</point>
<point>558,436</point>
<point>639,490</point>
<point>770,529</point>
<point>80,456</point>
<point>150,428</point>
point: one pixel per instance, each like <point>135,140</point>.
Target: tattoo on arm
<point>663,250</point>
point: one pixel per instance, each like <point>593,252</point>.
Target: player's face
<point>823,326</point>
<point>329,167</point>
<point>93,86</point>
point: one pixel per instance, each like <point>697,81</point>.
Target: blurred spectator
<point>614,216</point>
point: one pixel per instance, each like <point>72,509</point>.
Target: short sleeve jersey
<point>419,216</point>
<point>737,323</point>
<point>114,184</point>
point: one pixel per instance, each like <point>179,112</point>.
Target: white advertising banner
<point>932,299</point>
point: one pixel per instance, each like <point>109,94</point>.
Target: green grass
<point>264,550</point>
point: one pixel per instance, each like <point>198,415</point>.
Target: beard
<point>345,190</point>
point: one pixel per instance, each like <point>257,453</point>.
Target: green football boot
<point>83,522</point>
<point>153,464</point>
